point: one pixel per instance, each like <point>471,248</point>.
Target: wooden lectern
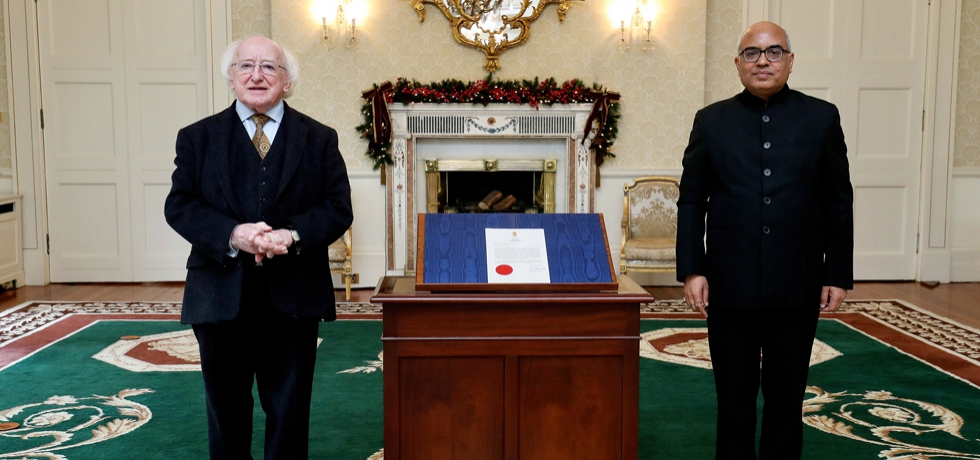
<point>511,371</point>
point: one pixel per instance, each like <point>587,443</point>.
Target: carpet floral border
<point>954,338</point>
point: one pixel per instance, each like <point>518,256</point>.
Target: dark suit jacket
<point>313,198</point>
<point>769,186</point>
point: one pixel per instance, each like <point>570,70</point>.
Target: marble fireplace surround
<point>499,133</point>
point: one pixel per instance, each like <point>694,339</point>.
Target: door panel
<point>880,111</point>
<point>93,241</point>
<point>868,58</point>
<point>83,95</point>
<point>119,78</point>
<point>79,30</point>
<point>167,76</point>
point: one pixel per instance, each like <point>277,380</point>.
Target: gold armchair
<point>649,225</point>
<point>339,253</point>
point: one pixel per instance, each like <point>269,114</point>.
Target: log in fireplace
<point>470,186</point>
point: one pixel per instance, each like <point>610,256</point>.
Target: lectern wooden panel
<point>452,408</point>
<point>510,375</point>
<point>571,407</point>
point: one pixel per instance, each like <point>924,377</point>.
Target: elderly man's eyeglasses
<point>773,53</point>
<point>268,68</point>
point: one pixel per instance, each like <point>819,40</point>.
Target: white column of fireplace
<point>422,132</point>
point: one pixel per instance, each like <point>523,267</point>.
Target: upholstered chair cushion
<point>337,252</point>
<point>653,211</point>
<point>651,248</point>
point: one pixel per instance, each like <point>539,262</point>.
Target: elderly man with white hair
<point>260,191</point>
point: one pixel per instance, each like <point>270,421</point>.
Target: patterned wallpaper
<point>661,89</point>
<point>966,152</point>
<point>250,17</point>
<point>724,26</point>
<point>5,156</point>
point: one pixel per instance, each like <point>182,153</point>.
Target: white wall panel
<point>811,25</point>
<point>159,127</point>
<point>964,211</point>
<point>92,210</point>
<point>79,27</point>
<point>368,236</point>
<point>887,28</point>
<point>158,36</point>
<point>161,240</point>
<point>875,208</point>
<point>9,253</point>
<point>83,135</point>
<point>880,112</point>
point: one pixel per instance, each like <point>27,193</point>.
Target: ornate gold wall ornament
<point>489,25</point>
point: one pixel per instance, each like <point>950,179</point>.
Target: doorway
<point>119,78</point>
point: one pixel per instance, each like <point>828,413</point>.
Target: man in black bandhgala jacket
<point>764,219</point>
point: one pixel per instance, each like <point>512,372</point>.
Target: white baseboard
<point>964,265</point>
<point>935,266</point>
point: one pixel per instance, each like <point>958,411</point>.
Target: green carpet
<point>871,401</point>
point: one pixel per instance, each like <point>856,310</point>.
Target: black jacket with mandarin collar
<point>765,210</point>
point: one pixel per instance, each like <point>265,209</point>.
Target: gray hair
<point>291,63</point>
<point>742,35</point>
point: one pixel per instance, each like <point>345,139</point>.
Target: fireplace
<point>489,185</point>
<point>449,156</point>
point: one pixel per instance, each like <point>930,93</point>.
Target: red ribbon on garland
<point>600,111</point>
<point>382,117</point>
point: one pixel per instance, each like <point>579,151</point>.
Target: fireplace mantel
<point>502,132</point>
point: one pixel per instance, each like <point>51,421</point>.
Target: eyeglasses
<point>267,68</point>
<point>773,53</point>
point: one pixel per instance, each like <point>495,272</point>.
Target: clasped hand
<point>261,240</point>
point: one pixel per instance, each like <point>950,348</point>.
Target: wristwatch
<point>295,236</point>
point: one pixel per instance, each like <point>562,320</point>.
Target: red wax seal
<point>504,269</point>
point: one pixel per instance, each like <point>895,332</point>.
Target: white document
<point>517,255</point>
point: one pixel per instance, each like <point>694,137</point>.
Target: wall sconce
<point>635,21</point>
<point>340,19</point>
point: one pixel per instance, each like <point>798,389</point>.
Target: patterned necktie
<point>259,140</point>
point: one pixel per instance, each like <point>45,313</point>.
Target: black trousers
<point>275,350</point>
<point>784,338</point>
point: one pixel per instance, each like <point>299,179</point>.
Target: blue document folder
<point>452,254</point>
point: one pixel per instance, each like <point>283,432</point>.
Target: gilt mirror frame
<point>490,30</point>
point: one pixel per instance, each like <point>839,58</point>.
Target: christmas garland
<point>376,127</point>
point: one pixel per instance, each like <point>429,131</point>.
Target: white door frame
<point>26,141</point>
<point>942,65</point>
<point>942,60</point>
